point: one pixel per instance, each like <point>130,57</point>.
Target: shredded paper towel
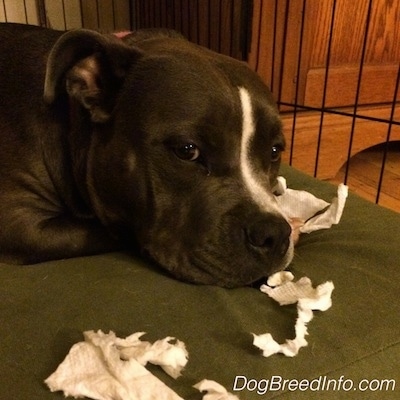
<point>309,211</point>
<point>308,214</point>
<point>105,367</point>
<point>307,299</point>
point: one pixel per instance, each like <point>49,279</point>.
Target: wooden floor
<point>364,173</point>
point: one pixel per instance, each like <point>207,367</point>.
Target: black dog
<point>149,139</point>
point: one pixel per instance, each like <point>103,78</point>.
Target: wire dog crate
<point>333,67</point>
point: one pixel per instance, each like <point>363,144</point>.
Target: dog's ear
<point>89,67</point>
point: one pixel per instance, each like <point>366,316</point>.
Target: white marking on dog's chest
<point>261,196</point>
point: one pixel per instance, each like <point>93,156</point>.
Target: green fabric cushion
<point>45,308</point>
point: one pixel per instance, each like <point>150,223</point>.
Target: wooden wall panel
<point>377,85</point>
<point>292,56</point>
<point>383,39</point>
<point>21,11</point>
<point>106,15</point>
<point>90,14</point>
<point>216,24</point>
<point>122,15</point>
<point>281,46</point>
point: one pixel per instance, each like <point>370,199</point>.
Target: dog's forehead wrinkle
<point>181,69</point>
<point>188,108</point>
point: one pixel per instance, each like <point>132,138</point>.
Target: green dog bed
<point>354,346</point>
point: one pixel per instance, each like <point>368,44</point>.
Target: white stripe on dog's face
<point>265,199</point>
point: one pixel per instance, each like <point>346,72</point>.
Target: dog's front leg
<point>28,238</point>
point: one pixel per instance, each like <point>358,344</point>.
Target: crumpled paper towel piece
<point>170,357</point>
<point>214,390</point>
<point>307,298</point>
<point>305,207</point>
<point>105,367</point>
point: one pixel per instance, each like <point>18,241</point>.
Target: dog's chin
<point>207,268</point>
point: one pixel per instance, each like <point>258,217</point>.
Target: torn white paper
<point>104,367</point>
<point>171,357</point>
<point>214,390</point>
<point>307,298</point>
<point>280,278</point>
<point>305,207</point>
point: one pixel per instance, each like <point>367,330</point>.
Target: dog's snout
<point>271,234</point>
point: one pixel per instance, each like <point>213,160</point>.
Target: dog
<point>138,141</point>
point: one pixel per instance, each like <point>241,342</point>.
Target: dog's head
<point>184,149</point>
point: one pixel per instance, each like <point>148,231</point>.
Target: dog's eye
<point>187,152</point>
<point>276,152</point>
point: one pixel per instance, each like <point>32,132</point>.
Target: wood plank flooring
<point>364,173</point>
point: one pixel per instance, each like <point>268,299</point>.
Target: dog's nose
<point>271,234</point>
